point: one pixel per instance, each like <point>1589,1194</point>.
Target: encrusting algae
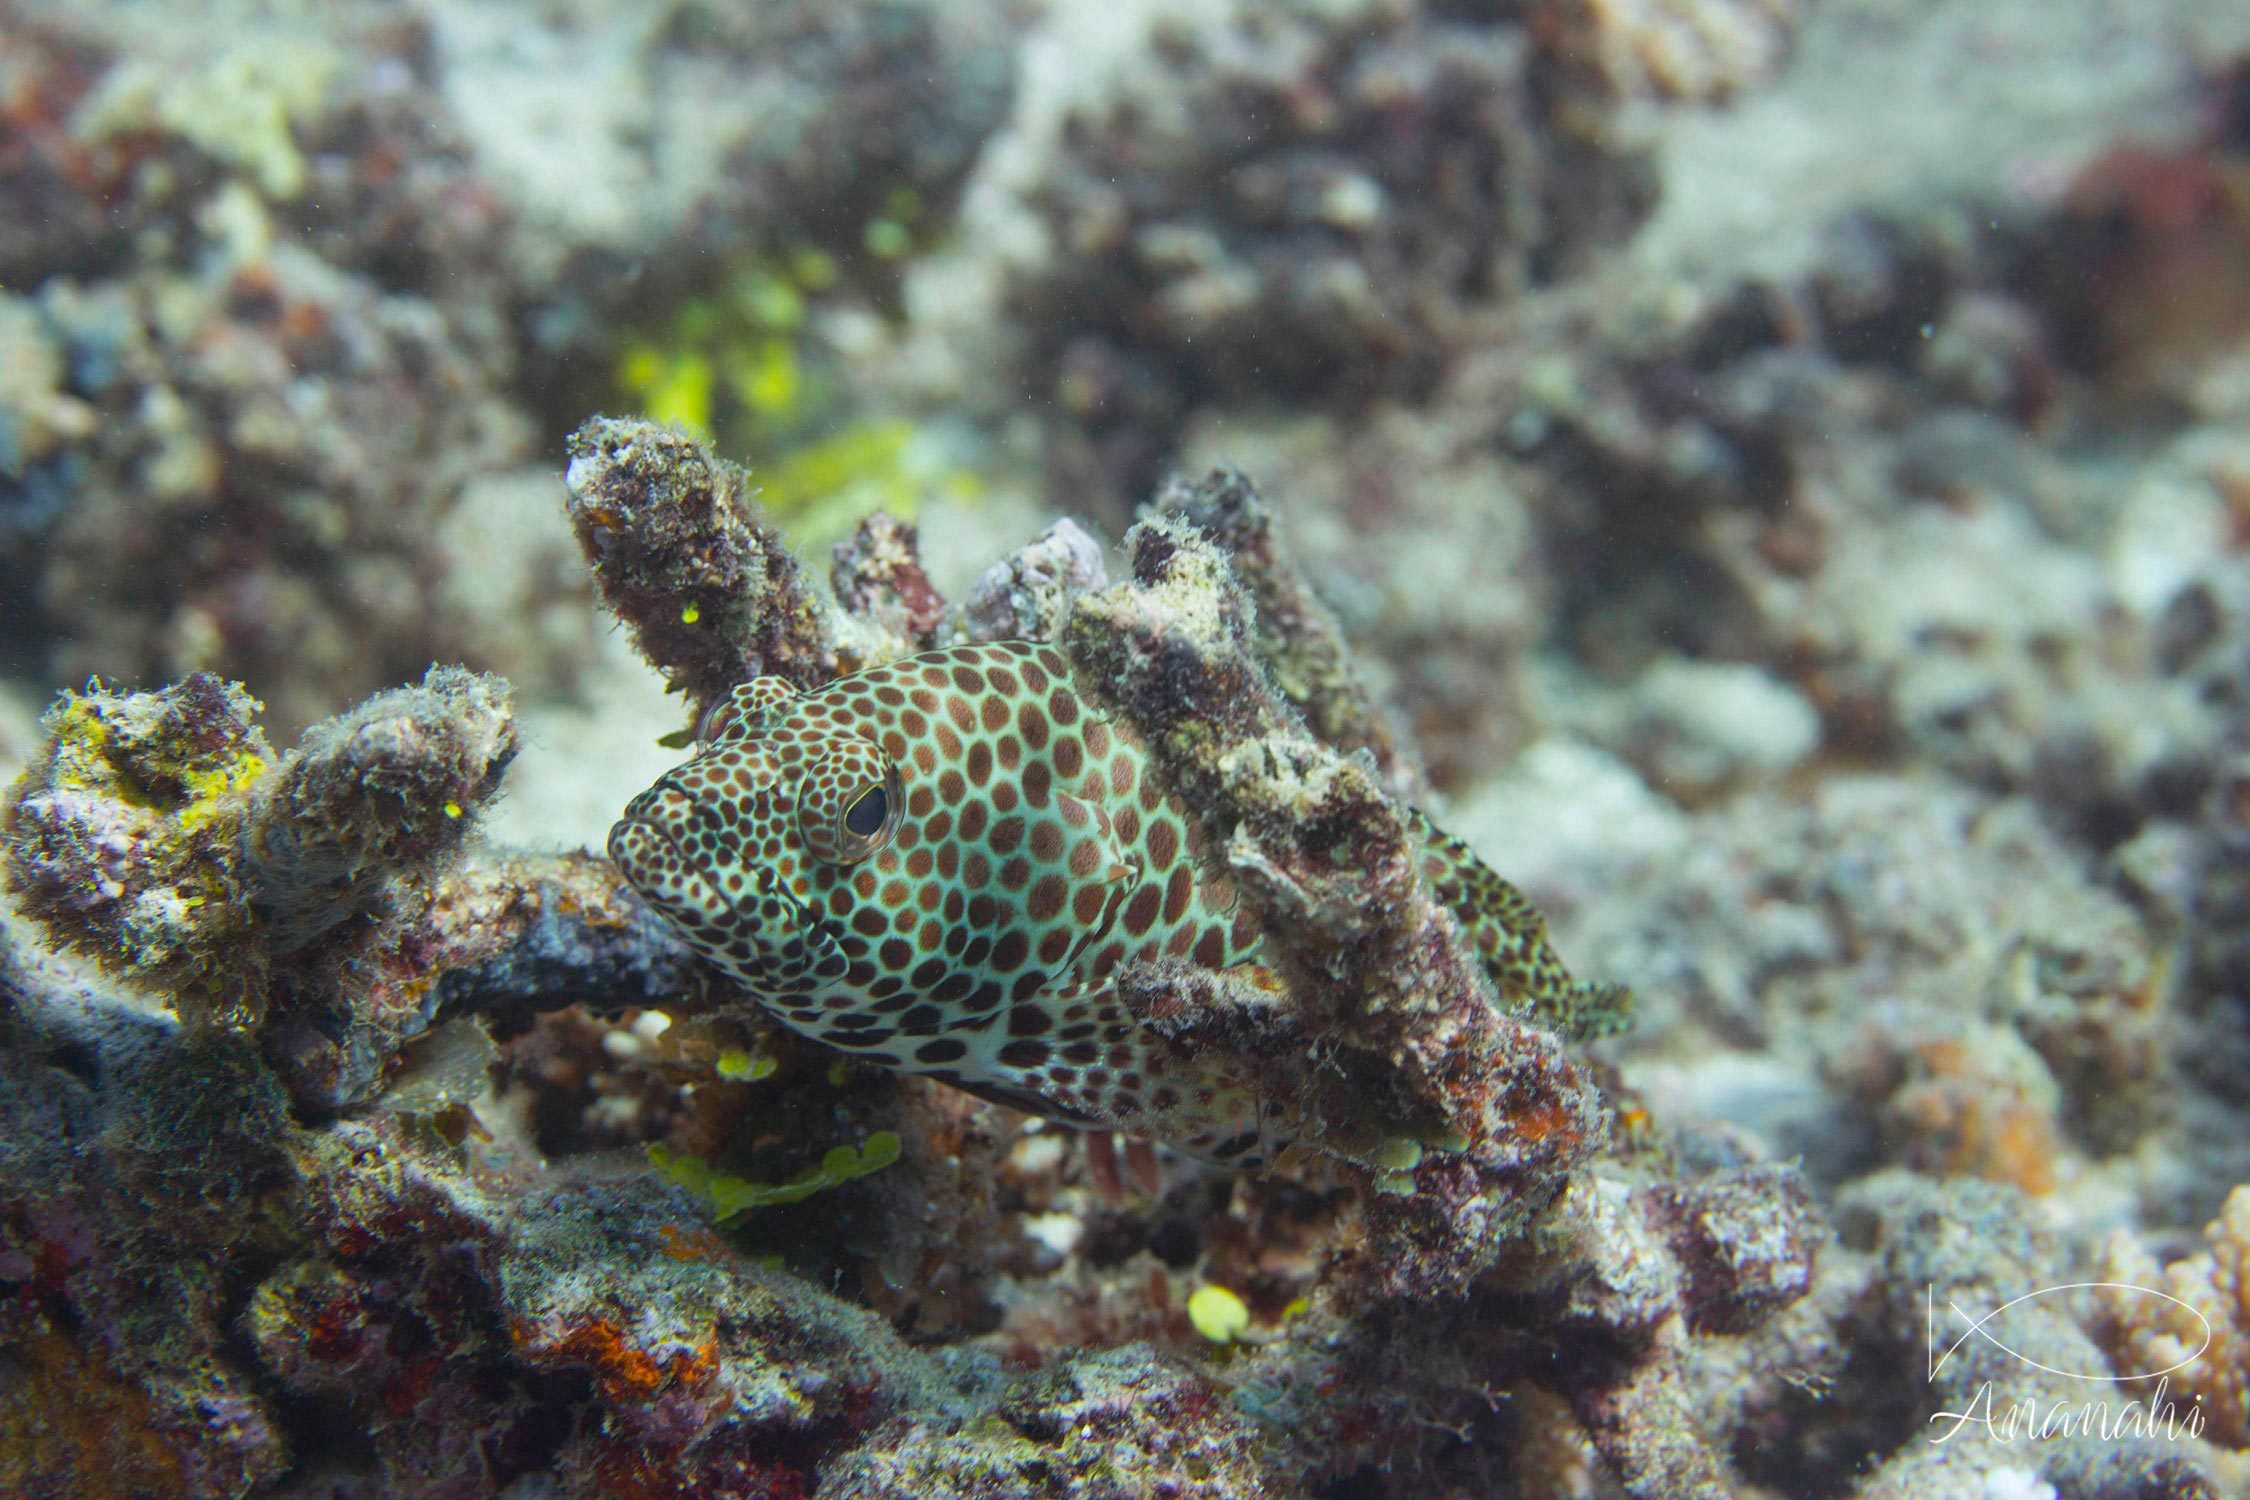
<point>125,835</point>
<point>161,835</point>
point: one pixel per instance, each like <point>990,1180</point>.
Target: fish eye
<point>869,811</point>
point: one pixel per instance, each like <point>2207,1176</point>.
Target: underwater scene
<point>1124,749</point>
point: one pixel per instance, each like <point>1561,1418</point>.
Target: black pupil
<point>864,818</point>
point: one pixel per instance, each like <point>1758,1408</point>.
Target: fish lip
<point>688,915</point>
<point>648,825</point>
<point>812,918</point>
<point>662,830</point>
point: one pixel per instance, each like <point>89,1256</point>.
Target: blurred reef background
<point>1773,476</point>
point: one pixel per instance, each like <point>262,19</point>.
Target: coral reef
<point>125,835</point>
<point>279,310</point>
<point>1447,613</point>
<point>1306,202</point>
<point>2202,1340</point>
<point>1025,596</point>
<point>712,595</point>
<point>1391,999</point>
<point>380,1303</point>
<point>1768,477</point>
<point>138,1162</point>
<point>369,797</point>
<point>1381,987</point>
<point>158,836</point>
<point>1298,639</point>
<point>1467,1118</point>
<point>480,1323</point>
<point>1465,1216</point>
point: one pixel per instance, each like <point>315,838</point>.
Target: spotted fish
<point>940,864</point>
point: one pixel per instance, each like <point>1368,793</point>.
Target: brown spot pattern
<point>987,887</point>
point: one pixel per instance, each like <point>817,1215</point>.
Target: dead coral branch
<point>1415,1068</point>
<point>372,796</point>
<point>712,595</point>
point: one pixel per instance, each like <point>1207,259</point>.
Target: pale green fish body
<point>940,863</point>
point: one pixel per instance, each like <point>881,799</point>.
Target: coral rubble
<point>284,295</point>
<point>158,835</point>
<point>1308,202</point>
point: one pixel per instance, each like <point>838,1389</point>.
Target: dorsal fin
<point>1511,938</point>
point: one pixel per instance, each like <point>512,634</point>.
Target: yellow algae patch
<point>738,1066</point>
<point>209,788</point>
<point>1218,1314</point>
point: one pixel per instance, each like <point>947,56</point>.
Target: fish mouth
<point>635,844</point>
<point>647,846</point>
<point>639,837</point>
<point>656,864</point>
